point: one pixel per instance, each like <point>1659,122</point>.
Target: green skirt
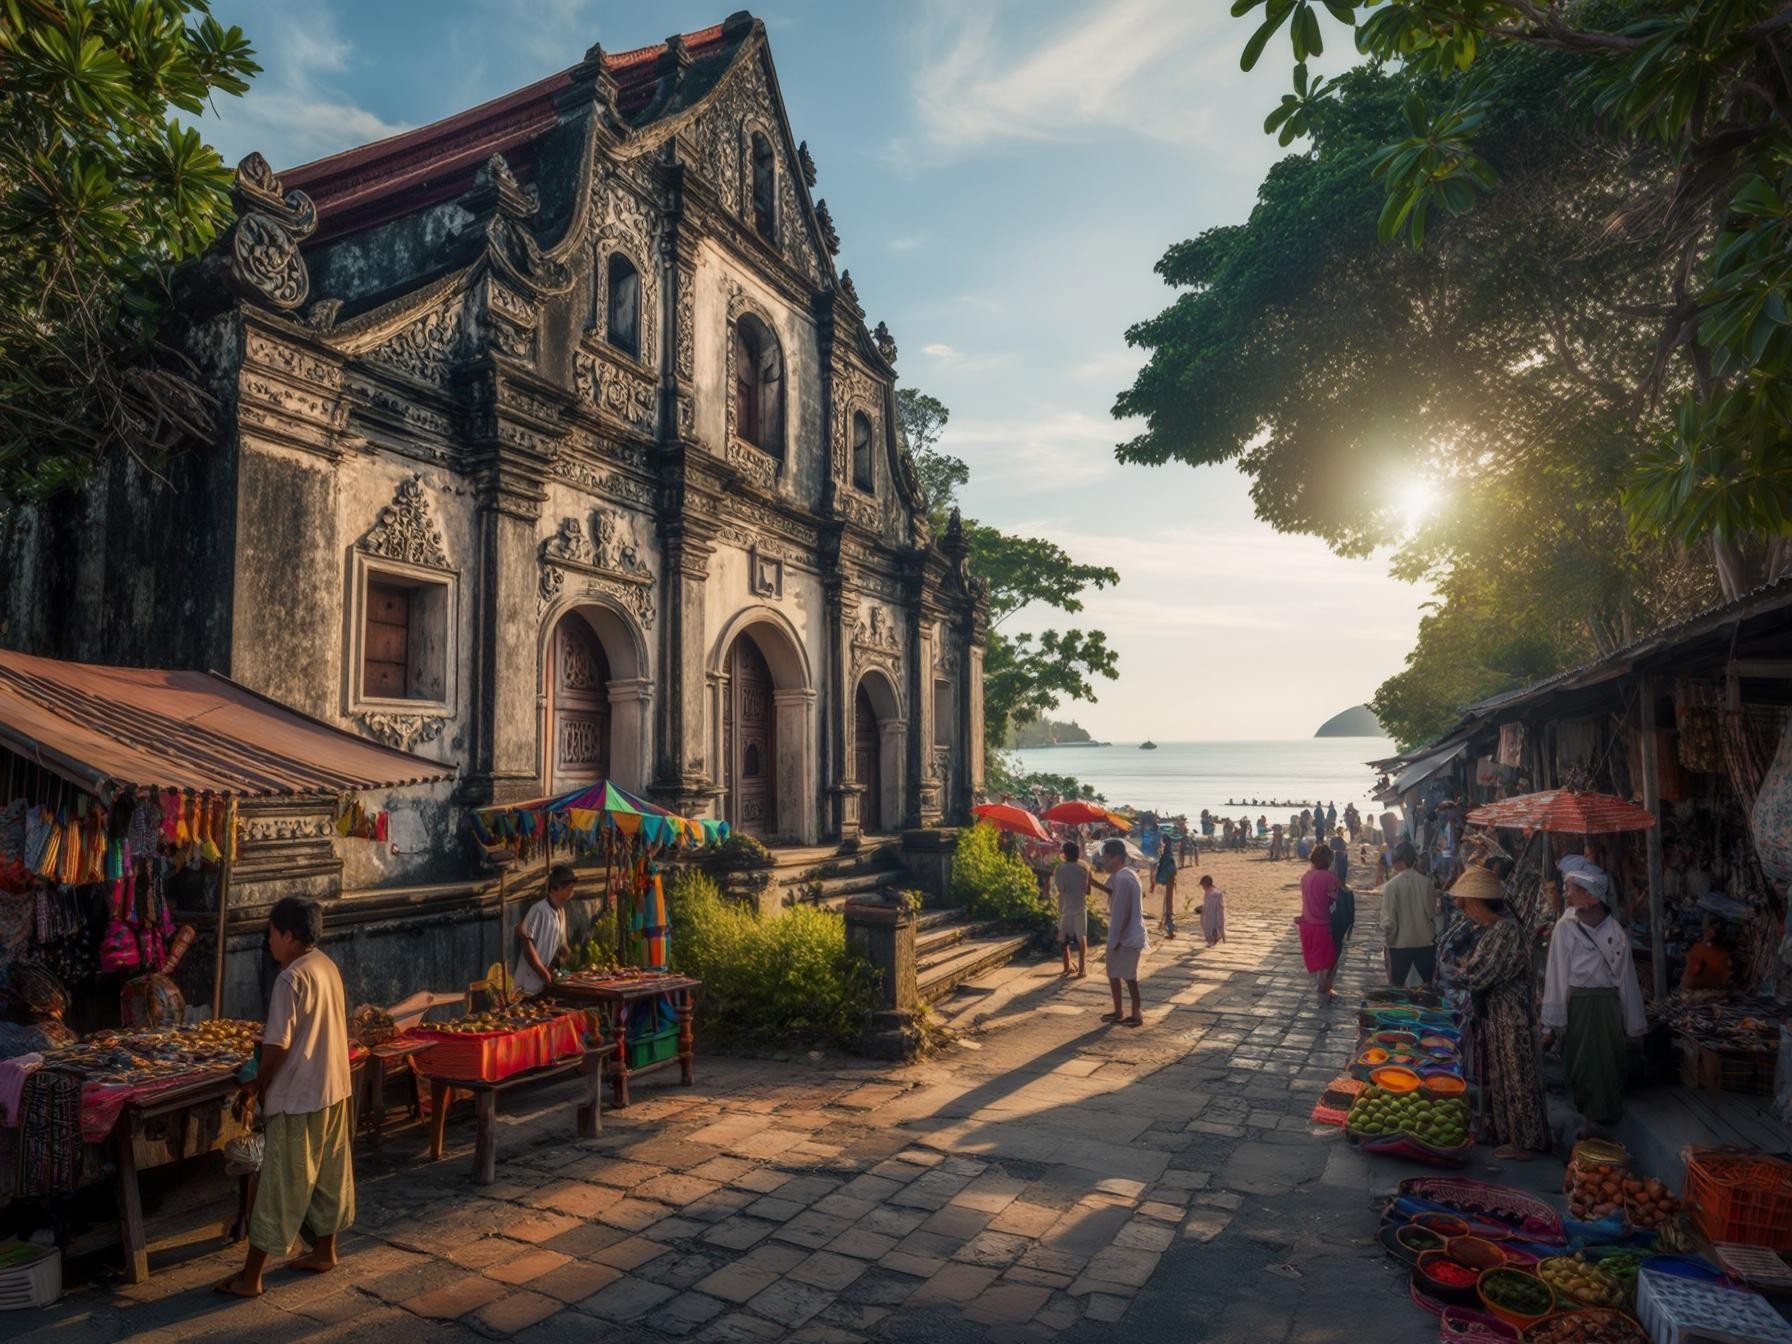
<point>1593,1054</point>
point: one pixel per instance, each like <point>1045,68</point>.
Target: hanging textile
<point>49,1132</point>
<point>1751,738</point>
<point>1511,748</point>
<point>1696,721</point>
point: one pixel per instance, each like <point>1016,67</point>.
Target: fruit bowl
<point>1446,1280</point>
<point>1516,1297</point>
<point>1393,1078</point>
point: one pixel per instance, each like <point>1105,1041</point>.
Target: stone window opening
<point>765,193</point>
<point>942,713</point>
<point>863,473</point>
<point>622,305</point>
<point>758,386</point>
<point>404,639</point>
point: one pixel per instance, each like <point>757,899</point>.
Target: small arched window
<point>758,386</point>
<point>765,195</point>
<point>622,307</point>
<point>863,476</point>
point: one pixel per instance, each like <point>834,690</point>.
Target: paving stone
<point>467,1293</point>
<point>628,1299</point>
<point>681,1271</point>
<point>629,1254</point>
<point>922,1266</point>
<point>529,1265</point>
<point>676,1229</point>
<point>829,1271</point>
<point>722,1169</point>
<point>632,1215</point>
<point>844,1206</point>
<point>723,1204</point>
<point>790,1303</point>
<point>485,1251</point>
<point>1038,1277</point>
<point>675,1189</point>
<point>687,1309</point>
<point>1105,1308</point>
<point>761,1180</point>
<point>780,1259</point>
<point>737,1283</point>
<point>541,1227</point>
<point>863,1245</point>
<point>812,1229</point>
<point>575,1281</point>
<point>1144,1234</point>
<point>930,1243</point>
<point>518,1311</point>
<point>958,1284</point>
<point>1024,1219</point>
<point>775,1210</point>
<point>892,1222</point>
<point>585,1240</point>
<point>740,1328</point>
<point>1008,1304</point>
<point>953,1221</point>
<point>1204,1225</point>
<point>738,1233</point>
<point>996,1249</point>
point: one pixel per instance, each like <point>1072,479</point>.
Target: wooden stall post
<point>1658,955</point>
<point>223,920</point>
<point>504,916</point>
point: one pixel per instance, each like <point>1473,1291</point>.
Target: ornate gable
<point>746,103</point>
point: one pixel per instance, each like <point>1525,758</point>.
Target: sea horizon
<point>1221,774</point>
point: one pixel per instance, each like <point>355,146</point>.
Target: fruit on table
<point>1586,1327</point>
<point>1519,1293</point>
<point>1594,1192</point>
<point>1574,1278</point>
<point>1648,1203</point>
<point>1440,1122</point>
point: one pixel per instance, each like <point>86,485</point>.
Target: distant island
<point>1050,733</point>
<point>1357,721</point>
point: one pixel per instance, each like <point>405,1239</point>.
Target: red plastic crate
<point>1740,1197</point>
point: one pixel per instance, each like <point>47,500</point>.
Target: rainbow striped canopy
<point>583,811</point>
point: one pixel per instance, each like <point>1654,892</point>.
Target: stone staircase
<point>949,948</point>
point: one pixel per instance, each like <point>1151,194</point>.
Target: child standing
<point>307,1176</point>
<point>1213,911</point>
<point>542,934</point>
<point>1070,879</point>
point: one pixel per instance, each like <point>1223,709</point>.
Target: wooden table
<point>187,1100</point>
<point>590,1121</point>
<point>380,1060</point>
<point>621,996</point>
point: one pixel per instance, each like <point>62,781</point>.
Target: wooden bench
<point>485,1105</point>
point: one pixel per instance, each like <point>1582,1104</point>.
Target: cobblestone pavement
<point>1048,1175</point>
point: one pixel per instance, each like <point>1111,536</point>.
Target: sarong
<point>1316,947</point>
<point>307,1177</point>
<point>49,1133</point>
<point>1593,1054</point>
<point>1213,916</point>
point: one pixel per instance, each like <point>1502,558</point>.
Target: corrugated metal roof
<point>110,728</point>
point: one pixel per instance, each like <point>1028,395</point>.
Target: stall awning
<point>1426,766</point>
<point>111,728</point>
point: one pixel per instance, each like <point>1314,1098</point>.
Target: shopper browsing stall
<point>307,1174</point>
<point>1591,999</point>
<point>543,933</point>
<point>1497,973</point>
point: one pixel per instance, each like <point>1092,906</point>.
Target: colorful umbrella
<point>1016,820</point>
<point>1077,812</point>
<point>1565,811</point>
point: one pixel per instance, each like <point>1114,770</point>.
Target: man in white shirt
<point>543,933</point>
<point>307,1176</point>
<point>1591,999</point>
<point>1126,931</point>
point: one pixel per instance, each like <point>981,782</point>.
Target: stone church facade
<point>551,443</point>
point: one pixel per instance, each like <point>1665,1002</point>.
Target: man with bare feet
<point>1126,931</point>
<point>307,1176</point>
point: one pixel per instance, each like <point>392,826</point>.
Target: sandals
<point>1132,1021</point>
<point>1110,1017</point>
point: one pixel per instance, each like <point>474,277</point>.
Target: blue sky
<point>1004,177</point>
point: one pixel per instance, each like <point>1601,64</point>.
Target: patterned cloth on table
<point>49,1132</point>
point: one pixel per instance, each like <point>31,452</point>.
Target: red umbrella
<point>1563,810</point>
<point>1008,817</point>
<point>1077,812</point>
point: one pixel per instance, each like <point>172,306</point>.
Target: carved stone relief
<point>615,485</point>
<point>766,573</point>
<point>265,264</point>
<point>612,386</point>
<point>426,347</point>
<point>405,531</point>
<point>604,560</point>
<point>403,731</point>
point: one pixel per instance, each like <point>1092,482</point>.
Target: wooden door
<point>579,747</point>
<point>752,741</point>
<point>867,762</point>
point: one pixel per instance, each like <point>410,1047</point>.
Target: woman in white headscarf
<point>1591,1000</point>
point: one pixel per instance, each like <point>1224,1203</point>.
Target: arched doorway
<point>751,740</point>
<point>578,706</point>
<point>867,763</point>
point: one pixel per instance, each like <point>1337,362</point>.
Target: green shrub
<point>738,853</point>
<point>993,883</point>
<point>784,980</point>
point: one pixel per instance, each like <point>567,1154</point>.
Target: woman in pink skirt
<point>1318,889</point>
<point>1213,911</point>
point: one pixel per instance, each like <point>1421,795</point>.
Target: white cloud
<point>294,111</point>
<point>910,241</point>
<point>1044,452</point>
<point>940,350</point>
<point>1112,368</point>
<point>1166,70</point>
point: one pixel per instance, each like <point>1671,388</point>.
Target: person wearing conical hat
<point>1591,999</point>
<point>1497,974</point>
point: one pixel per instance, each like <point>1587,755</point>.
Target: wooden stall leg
<point>591,1110</point>
<point>440,1094</point>
<point>485,1137</point>
<point>686,1050</point>
<point>376,1096</point>
<point>130,1209</point>
<point>619,1063</point>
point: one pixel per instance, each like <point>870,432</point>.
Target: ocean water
<point>1184,777</point>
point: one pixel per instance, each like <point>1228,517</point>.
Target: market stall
<point>621,976</point>
<point>121,792</point>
